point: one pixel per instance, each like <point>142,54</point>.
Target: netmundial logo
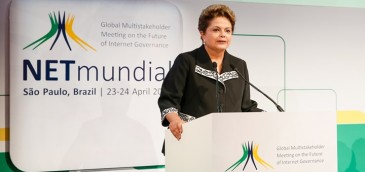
<point>250,152</point>
<point>59,25</point>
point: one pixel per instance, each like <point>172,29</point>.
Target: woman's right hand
<point>175,124</point>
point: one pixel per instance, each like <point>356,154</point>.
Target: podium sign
<point>219,142</point>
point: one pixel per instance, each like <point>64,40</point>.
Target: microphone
<point>217,88</point>
<point>280,109</point>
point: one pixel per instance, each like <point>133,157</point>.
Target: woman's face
<point>217,36</point>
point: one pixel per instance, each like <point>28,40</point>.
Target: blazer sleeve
<point>248,105</point>
<point>173,87</point>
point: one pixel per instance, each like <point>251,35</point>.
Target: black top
<point>190,87</point>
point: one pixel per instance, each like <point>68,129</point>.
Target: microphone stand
<point>217,88</point>
<point>280,109</point>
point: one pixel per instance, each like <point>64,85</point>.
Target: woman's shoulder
<point>192,53</point>
<point>235,60</point>
<point>189,55</point>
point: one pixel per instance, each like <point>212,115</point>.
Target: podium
<point>255,141</point>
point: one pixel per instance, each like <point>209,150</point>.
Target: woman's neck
<point>216,56</point>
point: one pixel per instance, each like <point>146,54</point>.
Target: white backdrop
<point>320,64</point>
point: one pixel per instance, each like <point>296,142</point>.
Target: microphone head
<point>214,65</point>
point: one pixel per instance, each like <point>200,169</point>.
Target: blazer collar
<point>204,61</point>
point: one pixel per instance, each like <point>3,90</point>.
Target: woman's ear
<point>202,36</point>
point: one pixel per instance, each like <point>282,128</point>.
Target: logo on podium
<point>250,152</point>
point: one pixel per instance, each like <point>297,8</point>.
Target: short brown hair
<point>213,11</point>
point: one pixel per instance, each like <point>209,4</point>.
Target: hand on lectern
<point>175,124</point>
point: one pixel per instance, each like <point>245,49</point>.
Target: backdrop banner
<point>85,82</point>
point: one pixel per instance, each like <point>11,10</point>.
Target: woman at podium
<point>206,79</point>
